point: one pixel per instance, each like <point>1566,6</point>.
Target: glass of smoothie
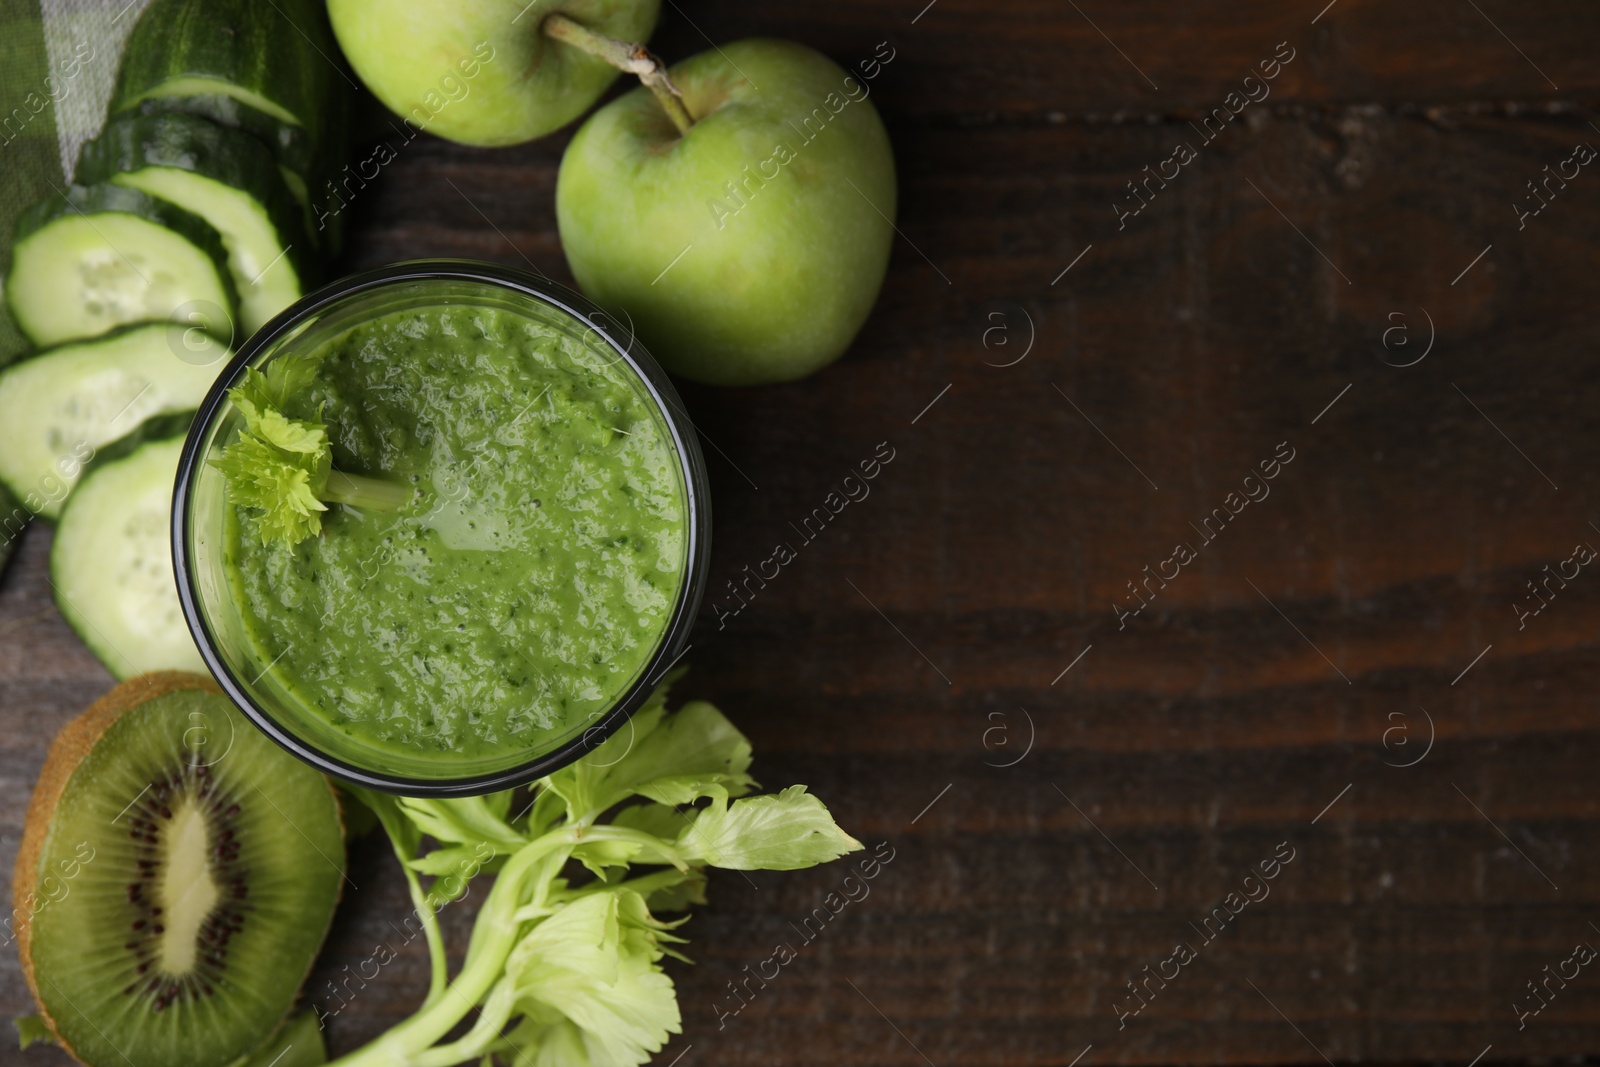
<point>534,565</point>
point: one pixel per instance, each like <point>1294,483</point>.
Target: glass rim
<point>697,525</point>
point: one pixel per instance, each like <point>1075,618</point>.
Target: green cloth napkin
<point>58,63</point>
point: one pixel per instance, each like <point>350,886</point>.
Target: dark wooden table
<point>1339,674</point>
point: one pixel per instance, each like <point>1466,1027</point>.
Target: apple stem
<point>625,56</point>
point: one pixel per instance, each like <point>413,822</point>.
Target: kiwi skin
<point>71,745</point>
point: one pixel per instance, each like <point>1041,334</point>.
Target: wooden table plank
<point>1029,58</point>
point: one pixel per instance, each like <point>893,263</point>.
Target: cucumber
<point>272,70</point>
<point>228,178</point>
<point>275,56</point>
<point>102,256</point>
<point>304,164</point>
<point>289,143</point>
<point>111,562</point>
<point>58,409</point>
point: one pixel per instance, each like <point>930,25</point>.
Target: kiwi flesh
<point>175,880</point>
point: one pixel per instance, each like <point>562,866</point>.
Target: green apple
<point>481,72</point>
<point>751,248</point>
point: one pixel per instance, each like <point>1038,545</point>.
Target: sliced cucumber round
<point>59,409</point>
<point>104,255</point>
<point>228,178</point>
<point>111,563</point>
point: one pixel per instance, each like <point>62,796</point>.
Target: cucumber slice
<point>289,142</point>
<point>103,256</point>
<point>307,167</point>
<point>111,563</point>
<point>278,58</point>
<point>60,408</point>
<point>224,176</point>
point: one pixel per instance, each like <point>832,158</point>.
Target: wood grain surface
<point>1339,674</point>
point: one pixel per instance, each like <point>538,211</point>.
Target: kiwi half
<point>175,879</point>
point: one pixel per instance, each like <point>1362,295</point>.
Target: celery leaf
<point>673,759</point>
<point>775,832</point>
<point>593,965</point>
<point>278,466</point>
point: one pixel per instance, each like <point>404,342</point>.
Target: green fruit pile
<point>737,209</point>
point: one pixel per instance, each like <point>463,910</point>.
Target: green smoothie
<point>532,572</point>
